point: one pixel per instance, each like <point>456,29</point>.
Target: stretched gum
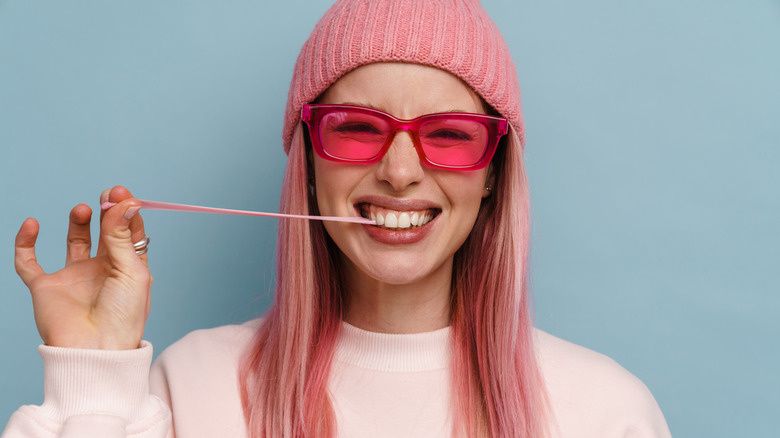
<point>155,205</point>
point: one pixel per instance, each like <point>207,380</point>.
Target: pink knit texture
<point>454,35</point>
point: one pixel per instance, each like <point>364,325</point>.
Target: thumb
<point>116,234</point>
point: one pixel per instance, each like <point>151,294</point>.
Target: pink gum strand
<point>155,205</point>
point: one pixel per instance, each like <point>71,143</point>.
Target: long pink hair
<point>497,387</point>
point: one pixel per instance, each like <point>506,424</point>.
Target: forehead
<point>404,90</point>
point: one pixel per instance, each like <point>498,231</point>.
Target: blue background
<point>652,151</point>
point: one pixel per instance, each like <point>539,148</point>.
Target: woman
<point>407,112</point>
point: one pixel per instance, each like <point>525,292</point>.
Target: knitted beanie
<point>453,35</point>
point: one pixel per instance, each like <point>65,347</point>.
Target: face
<point>443,203</point>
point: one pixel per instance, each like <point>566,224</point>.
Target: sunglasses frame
<point>312,115</point>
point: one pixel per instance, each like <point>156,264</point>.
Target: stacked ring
<point>142,245</point>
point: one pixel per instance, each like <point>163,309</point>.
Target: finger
<point>137,230</point>
<point>24,252</point>
<point>116,195</point>
<point>79,242</point>
<point>136,225</point>
<point>116,234</point>
<point>103,198</point>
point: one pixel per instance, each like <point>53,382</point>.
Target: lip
<point>396,204</point>
<point>398,237</point>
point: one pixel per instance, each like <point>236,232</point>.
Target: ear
<point>490,182</point>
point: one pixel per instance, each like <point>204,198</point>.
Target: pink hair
<point>284,375</point>
<point>498,388</point>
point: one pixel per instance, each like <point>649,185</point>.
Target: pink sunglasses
<point>359,135</point>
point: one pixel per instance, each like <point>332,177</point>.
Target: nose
<point>401,166</point>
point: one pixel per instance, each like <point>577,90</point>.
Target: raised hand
<point>99,302</point>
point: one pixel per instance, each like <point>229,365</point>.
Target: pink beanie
<point>454,35</point>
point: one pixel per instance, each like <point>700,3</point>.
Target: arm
<point>91,316</point>
<point>94,393</point>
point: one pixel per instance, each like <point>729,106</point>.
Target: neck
<point>416,307</point>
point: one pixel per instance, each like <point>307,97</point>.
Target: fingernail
<point>131,212</point>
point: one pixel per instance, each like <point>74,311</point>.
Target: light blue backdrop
<point>652,151</point>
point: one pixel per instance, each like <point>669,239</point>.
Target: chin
<point>398,272</point>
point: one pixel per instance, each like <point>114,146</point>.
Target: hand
<point>99,302</point>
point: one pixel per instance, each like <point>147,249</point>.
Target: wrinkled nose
<point>401,166</point>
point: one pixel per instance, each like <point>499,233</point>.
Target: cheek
<point>464,190</point>
<point>465,194</point>
<point>333,183</point>
<point>325,187</point>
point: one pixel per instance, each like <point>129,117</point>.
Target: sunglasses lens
<point>352,135</point>
<point>454,142</point>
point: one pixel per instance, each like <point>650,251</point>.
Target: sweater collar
<point>392,352</point>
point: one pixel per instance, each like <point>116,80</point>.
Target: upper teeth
<point>400,219</point>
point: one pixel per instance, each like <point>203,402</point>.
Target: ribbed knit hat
<point>454,35</point>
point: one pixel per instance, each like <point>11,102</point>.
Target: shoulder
<point>565,363</point>
<point>592,395</point>
<point>213,343</point>
<point>209,357</point>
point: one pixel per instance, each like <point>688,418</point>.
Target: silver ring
<point>142,245</point>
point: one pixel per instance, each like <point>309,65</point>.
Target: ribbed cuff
<point>82,381</point>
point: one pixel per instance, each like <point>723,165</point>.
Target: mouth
<point>397,219</point>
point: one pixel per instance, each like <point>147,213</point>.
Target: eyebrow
<point>384,111</point>
<point>363,105</point>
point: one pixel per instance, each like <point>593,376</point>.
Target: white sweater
<point>381,386</point>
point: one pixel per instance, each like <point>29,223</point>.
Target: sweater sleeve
<point>94,393</point>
